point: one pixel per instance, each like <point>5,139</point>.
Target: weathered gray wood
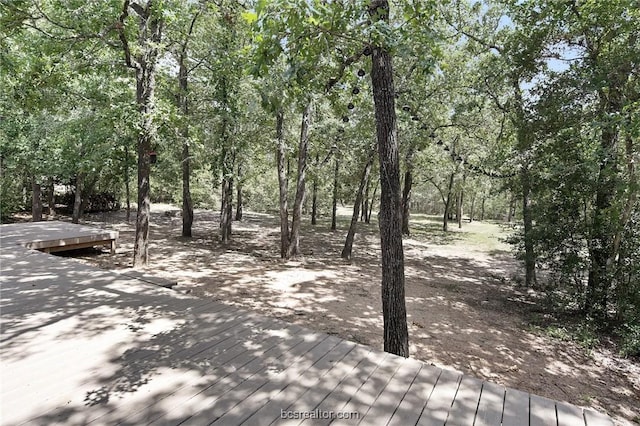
<point>516,408</point>
<point>542,411</point>
<point>464,408</point>
<point>348,387</point>
<point>362,400</point>
<point>594,418</point>
<point>381,410</point>
<point>490,405</point>
<point>569,415</point>
<point>414,401</point>
<point>330,349</point>
<point>437,409</point>
<point>316,381</point>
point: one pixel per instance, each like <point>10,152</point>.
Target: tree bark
<point>373,200</point>
<point>51,198</point>
<point>527,215</point>
<point>406,200</point>
<point>239,200</point>
<point>143,60</point>
<point>126,181</point>
<point>314,198</point>
<point>334,201</point>
<point>226,208</point>
<point>303,147</point>
<point>348,244</point>
<point>36,200</point>
<point>484,199</point>
<point>447,203</point>
<point>283,183</point>
<point>396,334</point>
<point>77,202</point>
<point>183,105</point>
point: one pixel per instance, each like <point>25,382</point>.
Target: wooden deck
<point>80,345</point>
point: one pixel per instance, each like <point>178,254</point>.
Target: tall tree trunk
<point>365,202</point>
<point>373,200</point>
<point>484,199</point>
<point>512,202</point>
<point>226,208</point>
<point>303,147</point>
<point>36,200</point>
<point>527,215</point>
<point>348,244</point>
<point>143,60</point>
<point>460,201</point>
<point>406,201</point>
<point>127,180</point>
<point>334,201</point>
<point>77,202</point>
<point>239,200</point>
<point>314,198</point>
<point>447,204</point>
<point>183,105</point>
<point>473,208</point>
<point>396,333</point>
<point>51,197</point>
<point>283,183</point>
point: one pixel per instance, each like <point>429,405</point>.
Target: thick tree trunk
<point>36,200</point>
<point>283,183</point>
<point>334,201</point>
<point>77,202</point>
<point>303,147</point>
<point>396,334</point>
<point>406,201</point>
<point>51,198</point>
<point>145,65</point>
<point>527,215</point>
<point>348,244</point>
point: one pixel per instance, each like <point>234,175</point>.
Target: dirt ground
<point>464,310</point>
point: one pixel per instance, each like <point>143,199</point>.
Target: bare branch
<point>123,37</point>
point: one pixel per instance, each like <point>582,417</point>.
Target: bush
<point>630,344</point>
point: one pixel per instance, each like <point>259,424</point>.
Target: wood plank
<point>490,405</point>
<point>569,415</point>
<point>388,401</point>
<point>516,408</point>
<point>414,401</point>
<point>437,409</point>
<point>594,418</point>
<point>347,388</point>
<point>364,398</point>
<point>276,396</point>
<point>465,405</point>
<point>542,411</point>
<point>220,406</point>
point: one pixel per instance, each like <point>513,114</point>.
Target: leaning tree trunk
<point>281,160</point>
<point>406,200</point>
<point>394,311</point>
<point>294,237</point>
<point>36,200</point>
<point>334,201</point>
<point>348,244</point>
<point>373,200</point>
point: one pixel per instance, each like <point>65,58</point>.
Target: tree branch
<point>123,37</point>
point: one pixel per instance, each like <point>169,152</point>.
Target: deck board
<point>81,345</point>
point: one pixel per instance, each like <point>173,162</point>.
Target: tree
<point>396,334</point>
<point>143,60</point>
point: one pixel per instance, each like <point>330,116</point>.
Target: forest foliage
<point>526,112</point>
